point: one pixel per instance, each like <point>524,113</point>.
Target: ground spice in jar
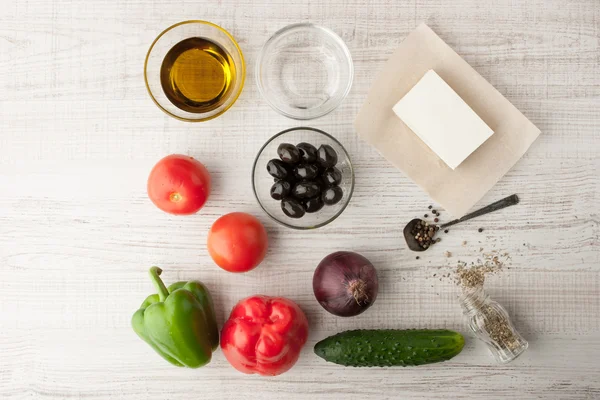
<point>487,318</point>
<point>499,328</point>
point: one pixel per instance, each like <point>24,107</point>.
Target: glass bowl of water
<point>304,71</point>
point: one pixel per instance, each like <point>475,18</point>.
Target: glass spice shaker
<point>490,323</point>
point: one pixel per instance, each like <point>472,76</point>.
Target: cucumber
<point>390,347</point>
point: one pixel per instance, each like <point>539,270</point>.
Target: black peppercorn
<point>480,230</point>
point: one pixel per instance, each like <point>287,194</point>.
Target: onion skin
<point>345,283</point>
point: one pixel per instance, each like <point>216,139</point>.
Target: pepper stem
<point>162,290</point>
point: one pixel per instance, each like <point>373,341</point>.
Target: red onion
<point>345,283</point>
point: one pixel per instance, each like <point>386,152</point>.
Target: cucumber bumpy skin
<point>390,347</point>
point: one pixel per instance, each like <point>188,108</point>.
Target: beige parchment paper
<point>460,189</point>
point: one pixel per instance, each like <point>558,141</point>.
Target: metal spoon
<point>413,244</point>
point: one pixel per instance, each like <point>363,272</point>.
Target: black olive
<point>306,171</point>
<point>280,189</point>
<point>332,195</point>
<point>326,156</point>
<point>313,205</point>
<point>277,169</point>
<point>332,176</point>
<point>288,153</point>
<point>308,152</point>
<point>306,190</point>
<point>292,208</point>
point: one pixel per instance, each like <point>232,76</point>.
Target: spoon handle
<point>500,204</point>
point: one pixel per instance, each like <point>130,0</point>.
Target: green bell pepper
<point>178,322</point>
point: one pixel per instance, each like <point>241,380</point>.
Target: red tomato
<point>179,184</point>
<point>264,335</point>
<point>237,242</point>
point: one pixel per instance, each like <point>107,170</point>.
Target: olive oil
<point>197,75</point>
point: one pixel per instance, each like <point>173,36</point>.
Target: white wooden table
<point>79,135</point>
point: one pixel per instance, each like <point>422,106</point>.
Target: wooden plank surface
<point>77,232</point>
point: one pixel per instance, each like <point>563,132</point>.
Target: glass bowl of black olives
<point>303,178</point>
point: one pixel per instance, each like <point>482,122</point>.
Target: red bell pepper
<point>264,335</point>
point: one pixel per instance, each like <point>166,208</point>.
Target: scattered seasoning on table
<point>480,230</point>
<point>448,254</point>
<point>436,220</point>
<point>426,215</point>
<point>430,207</point>
<point>418,257</point>
<point>474,275</point>
<point>471,277</point>
<point>434,211</point>
<point>464,243</point>
<point>446,231</point>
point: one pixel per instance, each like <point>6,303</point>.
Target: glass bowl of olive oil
<point>194,71</point>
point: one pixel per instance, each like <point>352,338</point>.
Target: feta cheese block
<point>441,119</point>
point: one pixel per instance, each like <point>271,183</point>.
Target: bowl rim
<point>237,47</point>
<point>303,25</point>
<point>340,211</point>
